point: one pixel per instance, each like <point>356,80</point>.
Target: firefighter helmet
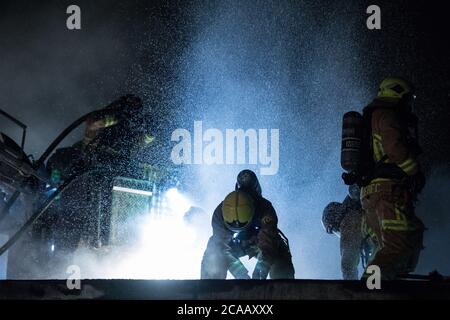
<point>238,209</point>
<point>247,181</point>
<point>395,88</point>
<point>332,217</point>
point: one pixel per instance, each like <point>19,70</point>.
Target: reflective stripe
<point>109,121</point>
<point>380,180</point>
<point>409,166</point>
<point>378,150</point>
<point>398,225</point>
<point>367,230</point>
<point>401,223</point>
<point>375,187</point>
<point>149,139</point>
<point>395,227</point>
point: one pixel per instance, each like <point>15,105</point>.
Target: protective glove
<point>261,270</point>
<point>238,270</point>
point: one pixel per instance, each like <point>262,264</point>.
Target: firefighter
<point>112,134</point>
<point>112,140</point>
<point>243,224</point>
<point>346,221</point>
<point>395,179</point>
<point>117,134</point>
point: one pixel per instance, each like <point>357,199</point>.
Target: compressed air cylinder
<point>352,138</point>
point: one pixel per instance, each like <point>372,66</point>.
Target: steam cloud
<point>296,67</point>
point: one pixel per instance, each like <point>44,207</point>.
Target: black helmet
<point>332,216</point>
<point>247,181</point>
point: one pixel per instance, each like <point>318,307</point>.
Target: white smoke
<point>166,247</point>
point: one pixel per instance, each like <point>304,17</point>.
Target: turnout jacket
<point>260,239</point>
<point>390,136</point>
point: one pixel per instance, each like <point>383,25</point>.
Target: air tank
<point>352,141</point>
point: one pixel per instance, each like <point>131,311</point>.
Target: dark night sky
<point>133,46</point>
<point>318,55</point>
<point>416,44</point>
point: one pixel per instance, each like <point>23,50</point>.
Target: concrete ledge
<point>223,290</point>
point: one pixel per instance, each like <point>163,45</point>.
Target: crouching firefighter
<point>379,151</point>
<point>346,220</point>
<point>243,224</point>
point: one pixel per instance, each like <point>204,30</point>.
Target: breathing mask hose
<point>48,151</point>
<point>68,130</point>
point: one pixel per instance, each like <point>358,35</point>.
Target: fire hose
<point>43,208</point>
<point>34,171</point>
<point>46,153</point>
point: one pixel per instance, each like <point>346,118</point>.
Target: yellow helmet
<point>238,209</point>
<point>394,88</point>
